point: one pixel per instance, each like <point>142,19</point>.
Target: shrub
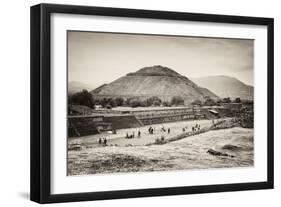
<point>177,100</point>
<point>134,102</point>
<point>152,100</point>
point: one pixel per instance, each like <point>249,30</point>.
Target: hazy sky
<point>98,58</point>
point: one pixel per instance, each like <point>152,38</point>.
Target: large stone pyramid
<point>157,80</point>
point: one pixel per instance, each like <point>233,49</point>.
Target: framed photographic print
<point>133,103</point>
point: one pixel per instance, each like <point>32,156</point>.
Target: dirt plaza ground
<point>145,138</point>
<point>86,156</point>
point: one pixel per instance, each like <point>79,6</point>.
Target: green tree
<point>143,104</point>
<point>177,101</point>
<point>112,102</point>
<point>82,98</point>
<point>237,100</point>
<point>119,101</point>
<point>134,102</point>
<point>226,100</point>
<point>103,102</point>
<point>150,101</point>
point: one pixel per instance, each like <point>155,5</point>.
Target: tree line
<point>212,102</point>
<point>87,99</point>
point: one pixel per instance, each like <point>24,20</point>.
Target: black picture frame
<point>41,98</point>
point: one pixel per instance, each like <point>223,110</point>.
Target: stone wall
<point>87,125</point>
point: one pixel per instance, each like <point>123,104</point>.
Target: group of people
<point>214,123</point>
<point>196,128</point>
<point>164,130</point>
<point>103,141</point>
<point>131,136</point>
<point>151,130</point>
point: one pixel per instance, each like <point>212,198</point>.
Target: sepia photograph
<point>133,103</point>
<point>149,102</point>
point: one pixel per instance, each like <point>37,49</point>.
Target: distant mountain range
<point>74,87</point>
<point>225,86</point>
<point>157,80</point>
